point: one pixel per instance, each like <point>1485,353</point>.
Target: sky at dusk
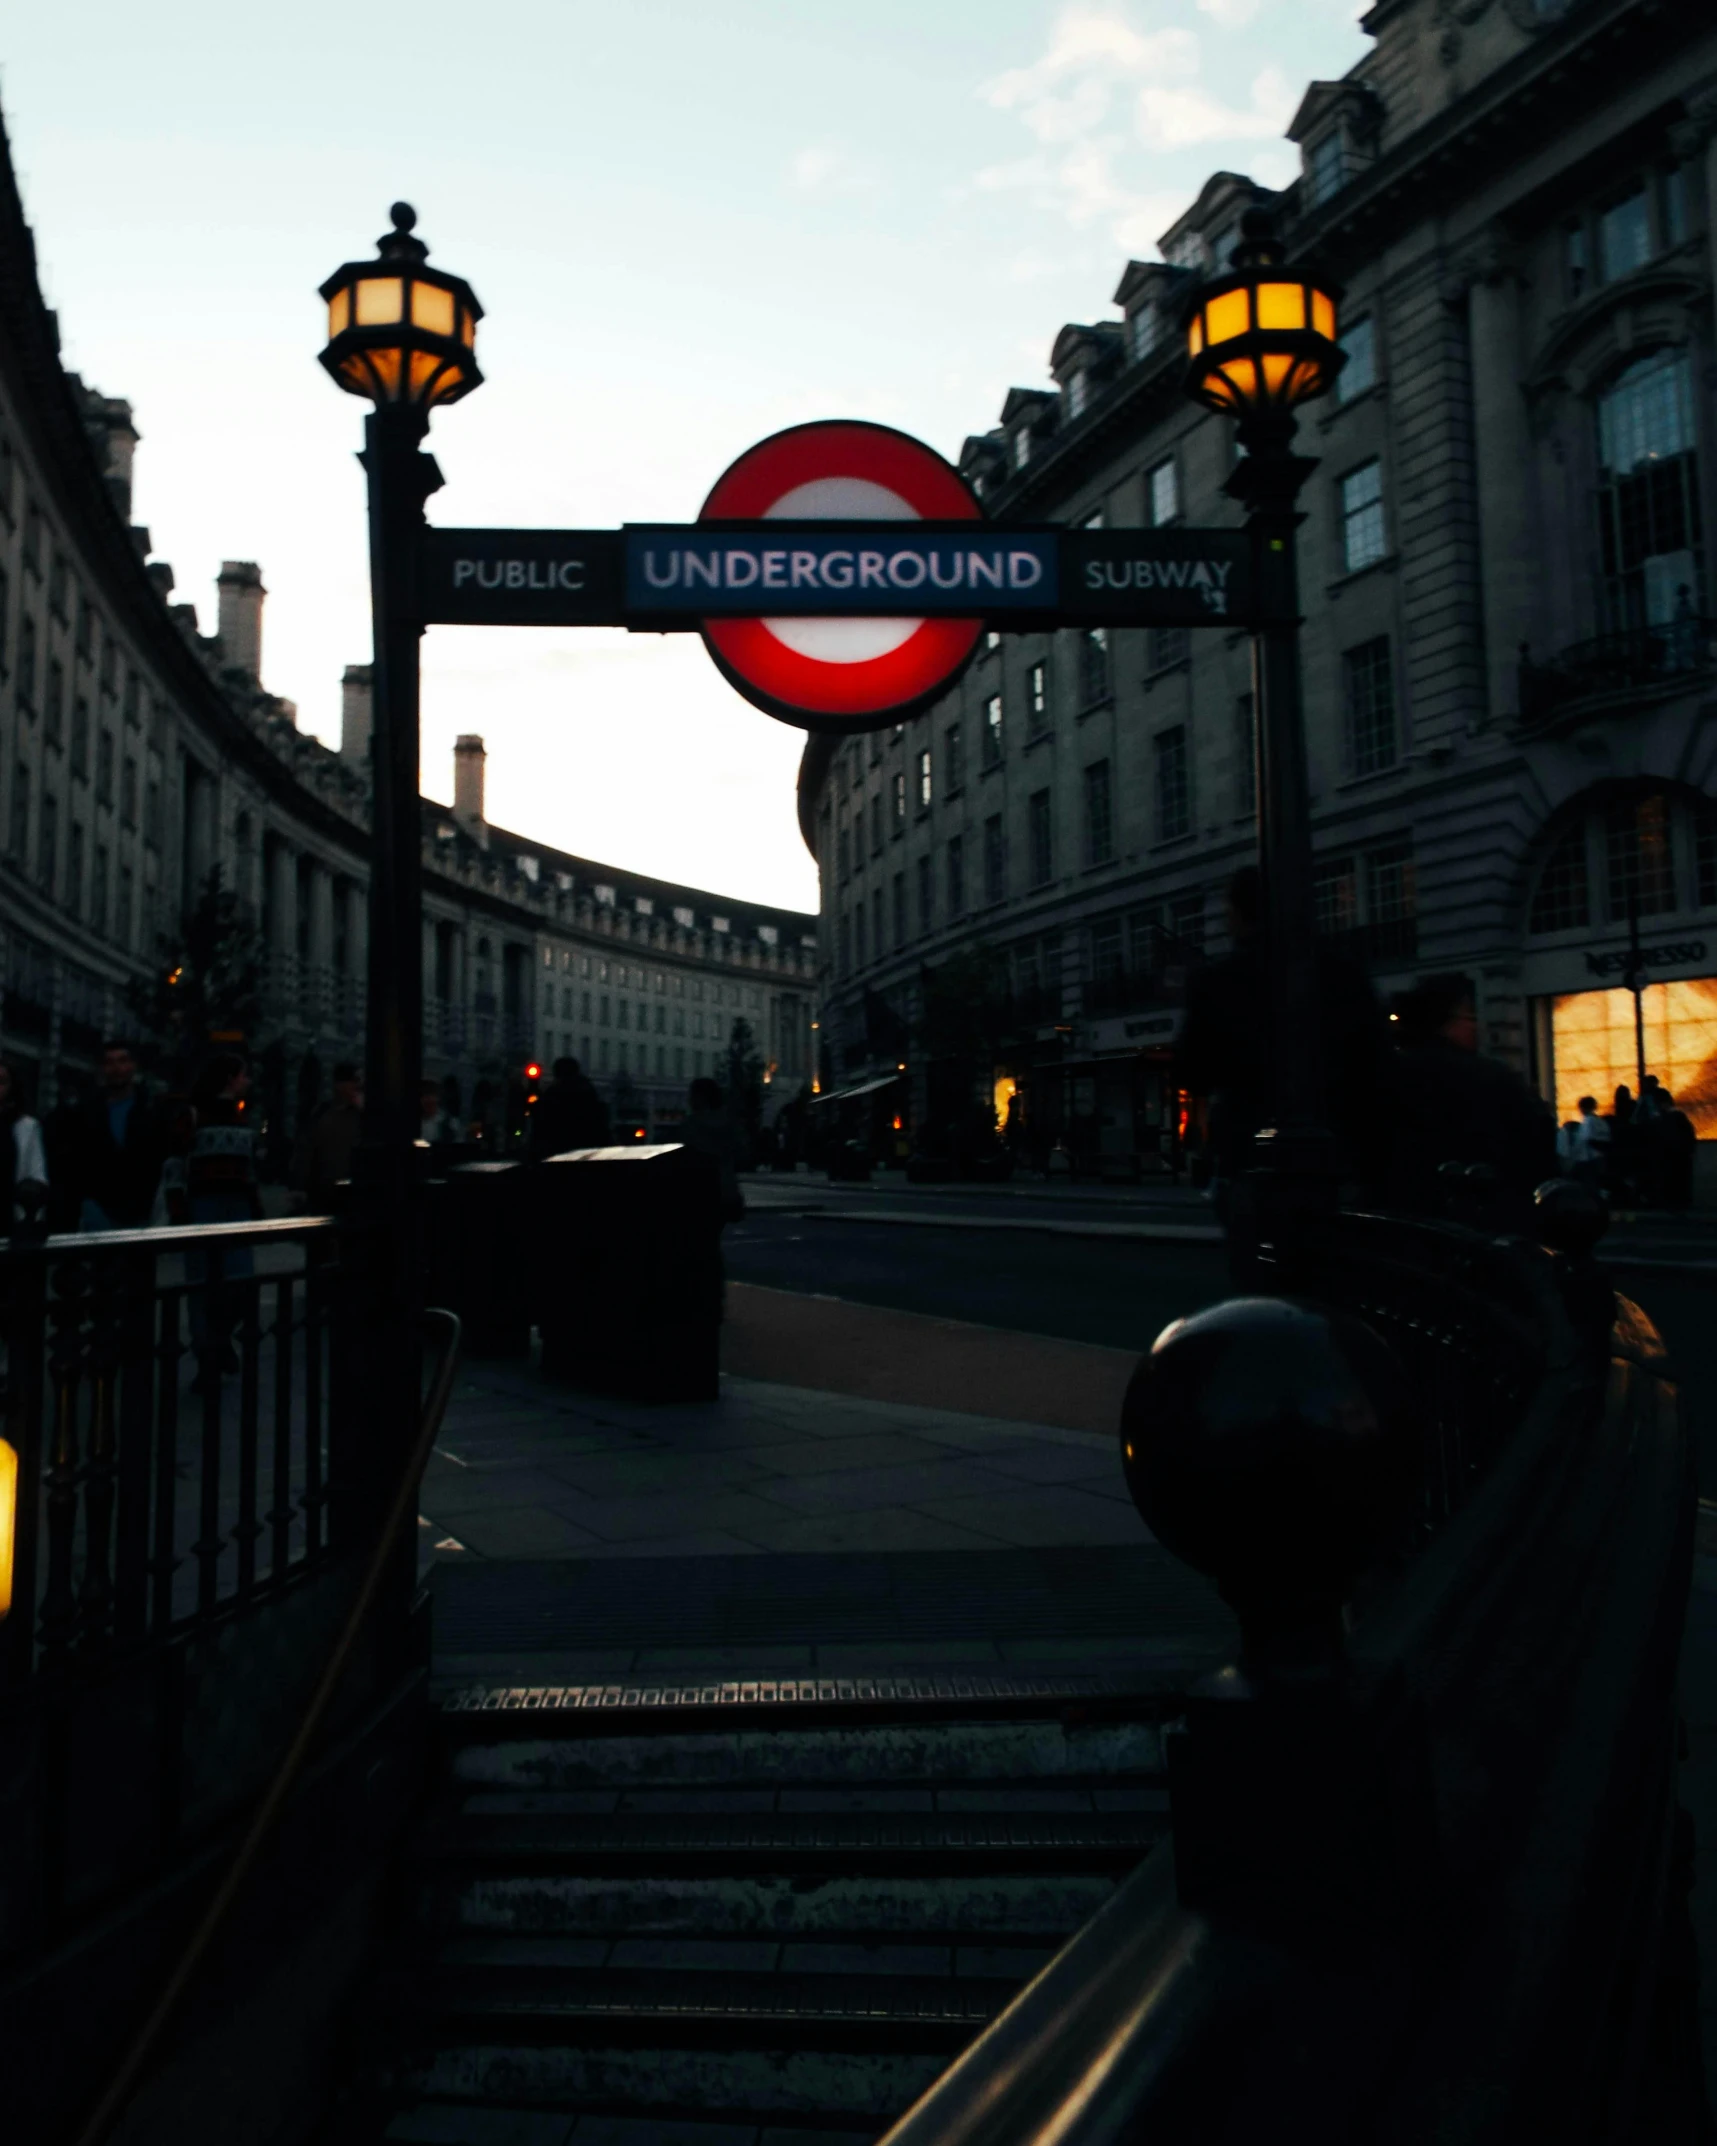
<point>690,225</point>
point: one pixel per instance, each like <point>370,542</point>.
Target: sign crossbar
<point>669,577</point>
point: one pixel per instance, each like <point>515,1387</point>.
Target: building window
<point>1362,516</point>
<point>926,896</point>
<point>1039,843</point>
<point>54,704</point>
<point>1106,955</point>
<point>1186,922</point>
<point>21,816</point>
<point>48,845</point>
<point>1078,394</point>
<point>1359,340</point>
<point>1162,493</point>
<point>1335,895</point>
<point>899,796</point>
<point>1142,330</point>
<point>993,731</point>
<point>843,855</point>
<point>1640,857</point>
<point>1391,901</point>
<point>1099,815</point>
<point>125,923</point>
<point>924,780</point>
<point>1327,167</point>
<point>104,767</point>
<point>98,889</point>
<point>1368,698</point>
<point>1093,666</point>
<point>1563,897</point>
<point>953,761</point>
<point>1705,852</point>
<point>876,826</point>
<point>1037,697</point>
<point>956,878</point>
<point>899,910</point>
<point>27,664</point>
<point>1245,758</point>
<point>995,868</point>
<point>80,738</point>
<point>1165,646</point>
<point>1173,790</point>
<point>1648,495</point>
<point>1624,236</point>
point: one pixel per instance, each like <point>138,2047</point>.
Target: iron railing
<point>1433,1884</point>
<point>1638,659</point>
<point>166,1396</point>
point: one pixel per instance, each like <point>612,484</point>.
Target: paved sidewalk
<point>524,1469</point>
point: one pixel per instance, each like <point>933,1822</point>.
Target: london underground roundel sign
<point>841,673</point>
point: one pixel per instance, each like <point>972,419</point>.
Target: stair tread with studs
<point>735,1930</point>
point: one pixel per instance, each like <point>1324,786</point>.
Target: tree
<point>206,987</point>
<point>745,1081</point>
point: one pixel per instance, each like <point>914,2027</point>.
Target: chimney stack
<point>357,715</point>
<point>239,620</point>
<point>468,758</point>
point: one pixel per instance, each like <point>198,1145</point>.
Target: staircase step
<point>985,1962</point>
<point>778,2085</point>
<point>693,2006</point>
<point>976,1903</point>
<point>796,1839</point>
<point>442,2123</point>
<point>786,1754</point>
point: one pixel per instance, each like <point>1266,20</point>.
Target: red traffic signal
<point>533,1073</point>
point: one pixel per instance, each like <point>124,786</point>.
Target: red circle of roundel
<point>807,688</point>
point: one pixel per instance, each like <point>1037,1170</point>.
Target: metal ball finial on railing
<point>1274,1446</point>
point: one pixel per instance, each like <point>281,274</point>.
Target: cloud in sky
<point>1106,95</point>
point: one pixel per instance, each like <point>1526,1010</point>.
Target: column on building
<point>357,900</point>
<point>319,998</point>
<point>282,869</point>
<point>1503,457</point>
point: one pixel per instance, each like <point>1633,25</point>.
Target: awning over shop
<point>863,1087</point>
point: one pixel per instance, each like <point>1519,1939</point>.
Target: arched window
<point>1637,854</point>
<point>1648,495</point>
<point>1562,899</point>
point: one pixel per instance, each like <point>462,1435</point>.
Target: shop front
<point>1120,1114</point>
<point>1593,1033</point>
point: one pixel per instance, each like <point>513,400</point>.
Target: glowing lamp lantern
<point>400,331</point>
<point>8,1521</point>
<point>1261,339</point>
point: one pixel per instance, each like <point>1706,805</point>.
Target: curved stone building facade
<point>1506,570</point>
<point>137,754</point>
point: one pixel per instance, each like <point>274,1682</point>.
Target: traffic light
<point>533,1085</point>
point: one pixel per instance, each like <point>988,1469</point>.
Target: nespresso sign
<point>1674,954</point>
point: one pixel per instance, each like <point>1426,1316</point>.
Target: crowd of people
<point>1410,1093</point>
<point>1641,1153</point>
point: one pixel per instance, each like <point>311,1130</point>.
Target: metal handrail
<point>112,2103</point>
<point>1138,2016</point>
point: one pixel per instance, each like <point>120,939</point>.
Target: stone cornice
<point>1537,94</point>
<point>106,554</point>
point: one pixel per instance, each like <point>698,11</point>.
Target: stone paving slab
<point>526,1468</point>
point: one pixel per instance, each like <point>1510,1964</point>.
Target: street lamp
<point>402,335</point>
<point>1261,340</point>
<point>400,331</point>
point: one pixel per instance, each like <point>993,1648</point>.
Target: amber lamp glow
<point>8,1521</point>
<point>1262,339</point>
<point>400,331</point>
